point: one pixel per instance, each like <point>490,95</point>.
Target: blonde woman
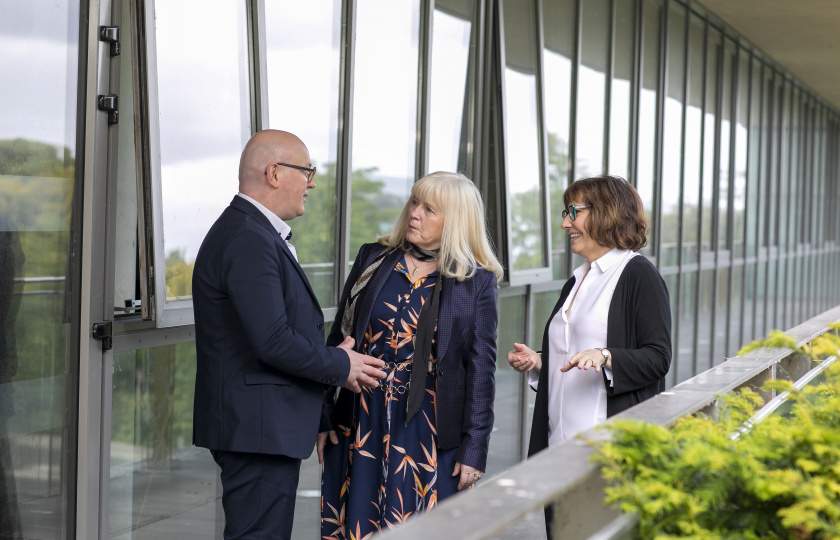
<point>423,299</point>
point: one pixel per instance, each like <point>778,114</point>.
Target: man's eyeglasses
<point>572,211</point>
<point>310,171</point>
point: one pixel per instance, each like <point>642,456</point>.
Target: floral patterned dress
<point>382,472</point>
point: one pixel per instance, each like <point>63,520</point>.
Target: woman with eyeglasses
<point>607,343</point>
<point>423,298</point>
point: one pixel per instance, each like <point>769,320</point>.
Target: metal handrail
<point>565,477</point>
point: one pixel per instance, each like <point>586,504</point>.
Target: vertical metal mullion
<point>523,385</point>
<point>573,115</point>
<point>344,145</point>
<point>734,84</point>
<point>476,95</point>
<point>699,289</point>
<point>633,139</point>
<point>421,158</point>
<point>92,137</point>
<point>743,338</point>
<point>573,106</point>
<point>715,210</point>
<point>605,161</point>
<point>257,63</point>
<point>542,136</point>
<point>658,131</point>
<point>770,87</point>
<point>681,205</point>
<point>780,124</point>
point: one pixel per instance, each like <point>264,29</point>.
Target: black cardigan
<point>638,338</point>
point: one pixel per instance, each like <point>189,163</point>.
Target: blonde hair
<point>464,244</point>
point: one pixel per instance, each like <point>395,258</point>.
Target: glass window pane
<point>709,126</point>
<point>753,185</point>
<point>672,141</point>
<point>506,446</point>
<point>203,102</point>
<point>647,108</point>
<point>739,203</point>
<point>621,90</point>
<point>558,54</point>
<point>726,119</point>
<point>161,486</point>
<point>303,47</point>
<point>522,147</point>
<point>451,63</point>
<point>40,215</point>
<point>384,116</point>
<point>591,87</point>
<point>684,358</point>
<point>693,141</point>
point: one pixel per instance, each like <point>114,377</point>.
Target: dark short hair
<point>616,218</point>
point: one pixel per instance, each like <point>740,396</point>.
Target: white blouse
<point>577,399</point>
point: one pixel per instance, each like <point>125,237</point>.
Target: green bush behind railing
<point>729,478</point>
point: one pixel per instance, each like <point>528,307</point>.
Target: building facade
<point>121,126</point>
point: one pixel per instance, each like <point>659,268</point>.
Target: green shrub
<point>725,478</point>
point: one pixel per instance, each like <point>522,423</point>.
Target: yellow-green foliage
<point>779,479</point>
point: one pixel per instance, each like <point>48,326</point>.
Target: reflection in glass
<point>709,126</point>
<point>303,45</point>
<point>40,216</point>
<point>684,358</point>
<point>161,486</point>
<point>592,80</point>
<point>693,142</point>
<point>450,64</point>
<point>739,200</point>
<point>505,445</point>
<point>672,140</point>
<point>522,147</point>
<point>384,116</point>
<point>559,32</point>
<point>620,91</point>
<point>647,108</point>
<point>752,187</point>
<point>727,111</point>
<point>204,123</point>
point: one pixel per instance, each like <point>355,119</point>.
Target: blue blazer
<point>259,333</point>
<point>466,361</point>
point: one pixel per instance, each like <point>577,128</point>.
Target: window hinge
<point>111,34</point>
<point>102,332</point>
<point>110,104</point>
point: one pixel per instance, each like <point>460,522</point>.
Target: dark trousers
<point>258,494</point>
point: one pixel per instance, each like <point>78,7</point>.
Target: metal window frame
<point>542,273</point>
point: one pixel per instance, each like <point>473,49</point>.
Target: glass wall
<point>302,65</point>
<point>40,218</point>
<point>384,127</point>
<point>736,163</point>
<point>199,131</point>
<point>159,482</point>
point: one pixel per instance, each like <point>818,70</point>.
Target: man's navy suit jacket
<point>466,354</point>
<point>261,359</point>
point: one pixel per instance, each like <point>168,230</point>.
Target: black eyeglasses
<point>310,171</point>
<point>573,210</point>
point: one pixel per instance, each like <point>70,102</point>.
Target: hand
<point>469,475</point>
<point>321,441</point>
<point>364,370</point>
<point>587,359</point>
<point>523,359</point>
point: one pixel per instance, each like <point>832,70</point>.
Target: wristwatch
<point>606,354</point>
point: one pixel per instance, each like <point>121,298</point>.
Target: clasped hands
<point>523,359</point>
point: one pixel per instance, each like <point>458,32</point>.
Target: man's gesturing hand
<point>364,370</point>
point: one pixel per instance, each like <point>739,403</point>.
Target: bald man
<point>262,365</point>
